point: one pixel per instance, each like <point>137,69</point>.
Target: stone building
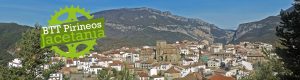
<point>147,53</point>
<point>167,52</point>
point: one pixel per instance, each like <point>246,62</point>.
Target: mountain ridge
<point>263,30</point>
<point>124,21</point>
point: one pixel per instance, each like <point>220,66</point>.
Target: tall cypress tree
<point>289,34</point>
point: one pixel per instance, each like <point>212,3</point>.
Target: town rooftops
<point>172,70</point>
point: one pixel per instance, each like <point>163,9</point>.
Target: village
<point>182,60</point>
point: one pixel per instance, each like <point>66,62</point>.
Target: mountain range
<point>135,27</point>
<point>143,26</point>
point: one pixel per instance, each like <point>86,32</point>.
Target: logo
<point>71,32</point>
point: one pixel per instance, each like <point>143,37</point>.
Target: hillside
<point>263,30</point>
<point>10,33</point>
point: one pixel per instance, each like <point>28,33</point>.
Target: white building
<point>135,57</point>
<point>187,61</point>
<point>15,63</point>
<point>195,47</point>
<point>232,72</point>
<point>192,68</point>
<point>164,66</point>
<point>217,47</point>
<point>230,50</point>
<point>94,69</point>
<point>116,65</point>
<point>158,78</point>
<point>184,51</point>
<point>214,63</point>
<point>104,62</point>
<point>128,56</point>
<point>153,72</point>
<point>247,65</point>
<point>56,76</point>
<point>227,60</point>
<point>193,56</point>
<point>71,62</point>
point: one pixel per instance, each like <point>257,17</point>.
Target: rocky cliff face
<point>263,30</point>
<point>142,26</point>
<point>137,19</point>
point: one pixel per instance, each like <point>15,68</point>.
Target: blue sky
<point>226,14</point>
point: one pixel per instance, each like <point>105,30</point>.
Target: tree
<point>10,73</point>
<point>104,74</point>
<point>270,70</point>
<point>124,74</point>
<point>108,74</point>
<point>199,54</point>
<point>33,57</point>
<point>289,34</point>
<point>182,56</point>
<point>264,72</point>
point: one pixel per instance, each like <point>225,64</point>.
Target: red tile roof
<point>142,74</point>
<point>220,77</point>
